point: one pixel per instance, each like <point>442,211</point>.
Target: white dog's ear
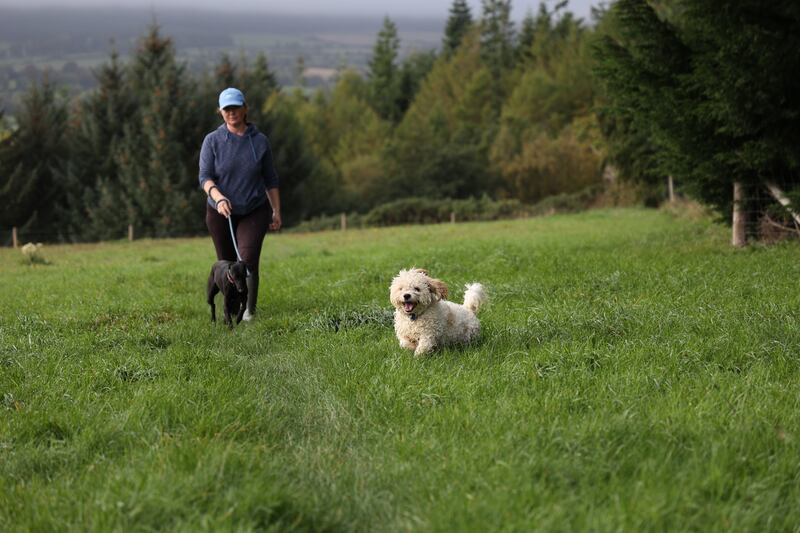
<point>438,289</point>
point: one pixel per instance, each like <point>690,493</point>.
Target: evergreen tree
<point>258,85</point>
<point>321,189</point>
<point>527,35</point>
<point>226,73</point>
<point>92,209</point>
<point>158,154</point>
<point>630,148</point>
<point>356,138</point>
<point>714,85</point>
<point>300,71</point>
<point>439,150</point>
<point>412,73</point>
<point>262,79</point>
<point>497,46</point>
<point>542,35</point>
<point>548,141</point>
<point>458,24</point>
<point>497,34</point>
<point>31,158</point>
<point>383,76</point>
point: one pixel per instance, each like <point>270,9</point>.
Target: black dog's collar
<point>228,274</point>
<point>413,316</point>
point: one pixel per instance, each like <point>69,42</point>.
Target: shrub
<point>328,222</point>
<point>432,211</point>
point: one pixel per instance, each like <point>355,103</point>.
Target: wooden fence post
<point>452,217</point>
<point>784,200</point>
<point>671,188</point>
<point>739,222</point>
<point>14,240</point>
<point>130,232</point>
<point>344,221</point>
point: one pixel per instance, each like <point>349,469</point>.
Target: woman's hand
<point>276,221</point>
<point>221,204</point>
<point>274,198</point>
<point>224,207</point>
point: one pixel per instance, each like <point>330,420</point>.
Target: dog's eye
<point>416,289</point>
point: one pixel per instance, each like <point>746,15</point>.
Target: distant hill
<point>68,43</point>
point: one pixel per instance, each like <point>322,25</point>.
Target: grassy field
<point>636,373</point>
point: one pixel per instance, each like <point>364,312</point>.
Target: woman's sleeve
<point>206,161</point>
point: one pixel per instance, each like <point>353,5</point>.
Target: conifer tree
<point>527,35</point>
<point>497,34</point>
<point>714,85</point>
<point>548,136</point>
<point>300,71</point>
<point>93,196</point>
<point>352,141</point>
<point>262,77</point>
<point>31,158</point>
<point>157,157</point>
<point>439,150</point>
<point>458,24</point>
<point>383,75</point>
<point>497,46</point>
<point>225,72</point>
<point>258,85</point>
<point>412,73</point>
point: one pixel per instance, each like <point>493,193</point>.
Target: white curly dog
<point>425,320</point>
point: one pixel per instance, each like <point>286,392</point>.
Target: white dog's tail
<point>475,297</point>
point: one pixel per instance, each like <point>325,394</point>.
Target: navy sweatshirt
<point>240,166</point>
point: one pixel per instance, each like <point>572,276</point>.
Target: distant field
<point>266,40</point>
<point>35,40</point>
<point>636,373</point>
<point>413,39</point>
<point>89,61</point>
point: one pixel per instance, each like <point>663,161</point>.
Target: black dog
<point>230,278</point>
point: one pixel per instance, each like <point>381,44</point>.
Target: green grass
<point>636,373</point>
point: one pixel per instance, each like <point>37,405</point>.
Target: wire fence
<point>16,237</point>
<point>770,214</point>
<point>767,209</point>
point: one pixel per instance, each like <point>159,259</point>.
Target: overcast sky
<point>392,8</point>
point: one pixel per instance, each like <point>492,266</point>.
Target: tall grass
<point>635,373</point>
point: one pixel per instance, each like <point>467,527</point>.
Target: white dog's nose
<point>406,296</point>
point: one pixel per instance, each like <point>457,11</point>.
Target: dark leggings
<point>250,230</point>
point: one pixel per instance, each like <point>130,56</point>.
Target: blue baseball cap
<point>231,96</point>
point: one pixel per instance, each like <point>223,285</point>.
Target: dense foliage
<point>494,113</point>
<point>704,91</point>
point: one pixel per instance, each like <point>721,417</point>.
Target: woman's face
<point>234,115</point>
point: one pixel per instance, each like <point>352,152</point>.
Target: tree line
<point>702,90</point>
<point>707,91</point>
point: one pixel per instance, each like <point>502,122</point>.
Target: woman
<point>238,176</point>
